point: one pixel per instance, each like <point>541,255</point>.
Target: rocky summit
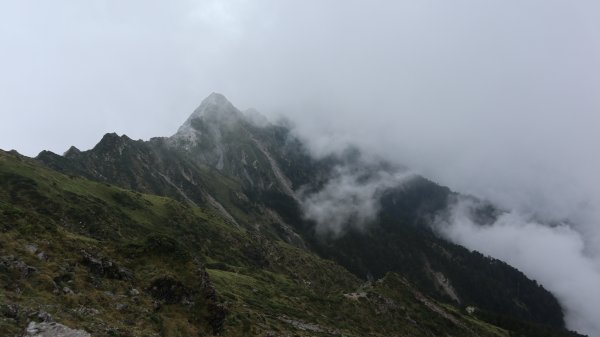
<point>230,227</point>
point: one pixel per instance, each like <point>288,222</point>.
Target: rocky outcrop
<point>46,329</point>
<point>384,305</point>
<point>442,283</point>
<point>12,264</point>
<point>33,249</point>
<point>105,268</point>
<point>170,291</point>
<point>300,325</point>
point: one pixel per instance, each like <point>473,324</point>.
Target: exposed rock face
<point>11,263</point>
<point>105,267</point>
<point>214,111</point>
<point>219,135</point>
<point>170,291</point>
<point>442,283</point>
<point>45,329</point>
<point>72,152</point>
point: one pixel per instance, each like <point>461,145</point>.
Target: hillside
<point>206,233</point>
<point>114,262</point>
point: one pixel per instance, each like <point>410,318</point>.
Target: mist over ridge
<point>499,100</point>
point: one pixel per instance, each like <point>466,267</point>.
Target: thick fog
<point>499,99</point>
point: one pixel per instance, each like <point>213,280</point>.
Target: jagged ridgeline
<point>209,232</point>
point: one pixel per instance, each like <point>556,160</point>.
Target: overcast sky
<point>498,98</point>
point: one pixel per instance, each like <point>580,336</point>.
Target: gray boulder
<point>46,329</point>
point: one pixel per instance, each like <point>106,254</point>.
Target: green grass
<point>261,282</point>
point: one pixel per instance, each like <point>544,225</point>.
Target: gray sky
<point>496,98</point>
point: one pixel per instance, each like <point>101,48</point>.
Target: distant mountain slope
<point>256,176</point>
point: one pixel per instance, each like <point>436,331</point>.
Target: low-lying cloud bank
<point>555,256</point>
<point>350,199</point>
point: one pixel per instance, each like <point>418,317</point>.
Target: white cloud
<point>553,255</point>
<point>349,199</point>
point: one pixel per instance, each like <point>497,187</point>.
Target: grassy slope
<point>265,286</point>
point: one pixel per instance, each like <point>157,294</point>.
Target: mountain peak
<point>216,98</point>
<point>215,105</point>
<point>214,110</point>
<point>72,152</point>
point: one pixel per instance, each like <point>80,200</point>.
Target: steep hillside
<point>113,262</point>
<point>258,176</point>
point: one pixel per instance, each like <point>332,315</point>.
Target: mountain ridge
<point>256,178</point>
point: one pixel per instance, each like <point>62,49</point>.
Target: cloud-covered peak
<point>216,99</point>
<point>214,110</point>
<point>215,105</point>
